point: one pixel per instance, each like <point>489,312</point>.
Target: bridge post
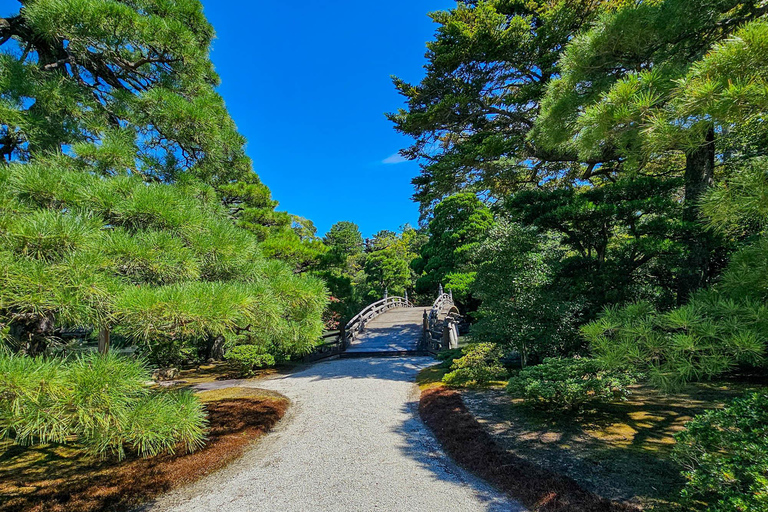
<point>425,327</point>
<point>440,290</point>
<point>406,297</point>
<point>386,293</point>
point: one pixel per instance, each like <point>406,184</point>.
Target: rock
<point>165,374</point>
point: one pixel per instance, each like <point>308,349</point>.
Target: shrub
<point>569,383</point>
<point>725,456</point>
<point>479,364</point>
<point>100,402</point>
<point>247,358</point>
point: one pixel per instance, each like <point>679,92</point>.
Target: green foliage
<point>520,308</point>
<point>471,115</point>
<point>479,364</point>
<point>99,402</point>
<point>159,263</point>
<point>725,456</point>
<point>247,358</point>
<point>710,335</point>
<point>560,383</point>
<point>127,201</point>
<point>459,223</point>
<point>344,239</point>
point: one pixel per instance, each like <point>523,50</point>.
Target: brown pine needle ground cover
<point>620,451</point>
<point>465,440</point>
<point>62,479</point>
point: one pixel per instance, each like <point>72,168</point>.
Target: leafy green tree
<point>459,224</point>
<point>486,73</point>
<point>519,307</point>
<point>134,76</point>
<point>621,241</point>
<point>344,239</point>
<point>387,262</point>
<point>161,264</point>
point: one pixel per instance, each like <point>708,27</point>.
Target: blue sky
<point>308,84</point>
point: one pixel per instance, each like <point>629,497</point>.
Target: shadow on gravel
<point>392,337</point>
<point>420,445</point>
<point>399,369</point>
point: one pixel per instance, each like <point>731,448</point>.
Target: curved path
<point>352,441</point>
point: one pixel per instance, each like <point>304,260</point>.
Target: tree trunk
<point>215,348</point>
<point>104,336</point>
<point>699,176</point>
<point>34,332</point>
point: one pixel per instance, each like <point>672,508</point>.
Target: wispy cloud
<point>397,158</point>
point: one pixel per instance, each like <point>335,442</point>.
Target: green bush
<point>568,383</point>
<point>725,456</point>
<point>247,358</point>
<point>99,402</point>
<point>479,365</point>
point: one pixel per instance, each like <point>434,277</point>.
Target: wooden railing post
<point>104,336</point>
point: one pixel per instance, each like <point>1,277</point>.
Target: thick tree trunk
<point>104,336</point>
<point>699,176</point>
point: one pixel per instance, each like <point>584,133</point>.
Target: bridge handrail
<point>436,337</point>
<point>357,323</point>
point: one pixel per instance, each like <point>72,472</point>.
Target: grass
<point>55,478</point>
<point>620,451</point>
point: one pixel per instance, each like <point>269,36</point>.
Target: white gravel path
<point>352,441</point>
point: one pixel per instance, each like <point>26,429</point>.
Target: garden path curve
<point>351,441</point>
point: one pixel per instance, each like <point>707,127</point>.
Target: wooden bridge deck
<point>398,331</point>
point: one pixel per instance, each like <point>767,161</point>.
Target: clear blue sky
<point>308,84</point>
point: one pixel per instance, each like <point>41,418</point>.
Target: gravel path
<point>352,441</point>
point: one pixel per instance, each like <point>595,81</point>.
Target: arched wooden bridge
<point>393,326</point>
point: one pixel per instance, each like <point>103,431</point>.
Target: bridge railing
<point>441,333</point>
<point>357,325</point>
<point>336,342</point>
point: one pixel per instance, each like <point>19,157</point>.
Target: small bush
<point>479,365</point>
<point>569,383</point>
<point>247,358</point>
<point>99,402</point>
<point>725,456</point>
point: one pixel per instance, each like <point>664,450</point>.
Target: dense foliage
<point>725,456</point>
<point>479,364</point>
<point>569,383</point>
<point>99,402</point>
<point>128,208</point>
<point>247,358</point>
<point>124,175</point>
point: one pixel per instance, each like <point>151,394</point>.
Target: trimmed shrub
<point>247,358</point>
<point>569,383</point>
<point>725,456</point>
<point>99,402</point>
<point>479,365</point>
